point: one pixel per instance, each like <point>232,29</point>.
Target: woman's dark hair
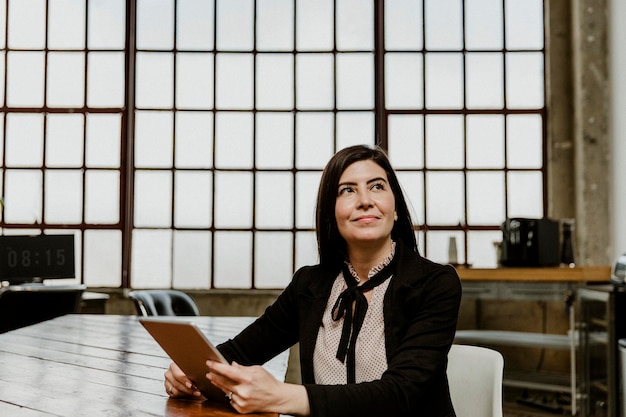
<point>330,244</point>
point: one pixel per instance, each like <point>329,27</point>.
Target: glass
<point>438,244</point>
<point>24,140</point>
<point>233,200</point>
<point>525,77</point>
<point>355,25</point>
<point>480,247</point>
<point>63,196</point>
<point>192,259</point>
<point>103,141</point>
<point>194,139</point>
<point>234,81</point>
<point>524,141</point>
<point>314,25</point>
<point>25,79</point>
<point>403,25</point>
<point>27,28</point>
<point>65,82</point>
<point>443,22</point>
<point>102,197</point>
<point>102,258</point>
<point>307,184</point>
<point>484,25</point>
<point>155,24</point>
<point>485,141</point>
<point>274,200</point>
<point>444,141</point>
<point>106,24</point>
<point>64,140</point>
<point>194,24</point>
<point>274,140</point>
<point>194,80</point>
<point>444,80</point>
<point>355,128</point>
<point>272,254</point>
<point>105,79</point>
<point>234,140</point>
<point>520,186</point>
<point>152,258</point>
<point>315,81</point>
<point>153,139</point>
<point>355,81</point>
<point>274,25</point>
<point>193,199</point>
<point>406,141</point>
<point>155,80</point>
<point>485,198</point>
<point>274,81</point>
<point>314,143</point>
<point>484,80</point>
<point>233,260</point>
<point>306,249</point>
<point>66,24</point>
<point>22,196</point>
<point>235,25</point>
<point>445,208</point>
<point>404,75</point>
<point>153,194</point>
<point>413,188</point>
<point>524,24</point>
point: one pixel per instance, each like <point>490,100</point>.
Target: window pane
<point>102,197</point>
<point>444,142</point>
<point>355,25</point>
<point>66,24</point>
<point>22,196</point>
<point>406,141</point>
<point>155,24</point>
<point>192,259</point>
<point>403,81</point>
<point>66,79</point>
<point>64,196</point>
<point>524,24</point>
<point>233,200</point>
<point>103,258</point>
<point>524,75</point>
<point>274,25</point>
<point>485,198</point>
<point>233,140</point>
<point>485,80</point>
<point>314,133</point>
<point>194,139</point>
<point>273,254</point>
<point>274,140</point>
<point>306,249</point>
<point>234,81</point>
<point>24,140</point>
<point>444,81</point>
<point>413,187</point>
<point>194,81</point>
<point>438,244</point>
<point>314,25</point>
<point>274,81</point>
<point>233,260</point>
<point>314,81</point>
<point>192,199</point>
<point>445,208</point>
<point>152,258</point>
<point>102,147</point>
<point>27,24</point>
<point>64,140</point>
<point>153,193</point>
<point>235,23</point>
<point>355,81</point>
<point>155,79</point>
<point>355,128</point>
<point>153,139</point>
<point>444,22</point>
<point>485,141</point>
<point>25,79</point>
<point>482,250</point>
<point>307,184</point>
<point>484,24</point>
<point>274,200</point>
<point>524,141</point>
<point>106,24</point>
<point>105,79</point>
<point>194,24</point>
<point>403,24</point>
<point>3,22</point>
<point>521,186</point>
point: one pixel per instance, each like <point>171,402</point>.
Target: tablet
<point>187,346</point>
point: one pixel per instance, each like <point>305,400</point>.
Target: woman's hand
<point>178,385</point>
<point>253,389</point>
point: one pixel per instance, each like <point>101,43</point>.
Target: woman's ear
<point>395,216</point>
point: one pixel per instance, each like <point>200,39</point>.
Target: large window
<point>182,141</point>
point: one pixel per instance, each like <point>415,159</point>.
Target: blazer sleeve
<point>420,323</point>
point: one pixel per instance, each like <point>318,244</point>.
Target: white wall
<point>617,120</point>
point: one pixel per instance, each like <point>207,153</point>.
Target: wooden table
<point>100,365</point>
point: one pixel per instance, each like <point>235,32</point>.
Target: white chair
<point>475,377</point>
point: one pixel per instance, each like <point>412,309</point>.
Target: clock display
<point>44,256</point>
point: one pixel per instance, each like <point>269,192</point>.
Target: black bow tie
<point>353,321</point>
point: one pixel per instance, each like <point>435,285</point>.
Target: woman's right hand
<point>178,385</point>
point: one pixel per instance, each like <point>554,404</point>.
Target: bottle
<point>567,243</point>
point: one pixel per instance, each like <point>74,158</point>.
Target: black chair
<point>23,305</point>
<point>163,303</point>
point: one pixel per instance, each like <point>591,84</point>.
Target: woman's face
<point>365,208</point>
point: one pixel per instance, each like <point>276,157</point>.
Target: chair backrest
<point>475,377</point>
<point>163,303</point>
<point>23,305</point>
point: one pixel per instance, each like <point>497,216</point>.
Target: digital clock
<point>23,258</point>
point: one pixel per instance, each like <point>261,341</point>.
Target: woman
<point>374,319</point>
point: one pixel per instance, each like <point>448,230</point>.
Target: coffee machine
<point>530,242</point>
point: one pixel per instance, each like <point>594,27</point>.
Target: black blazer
<point>420,311</point>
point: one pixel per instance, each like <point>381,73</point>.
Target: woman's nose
<point>365,200</point>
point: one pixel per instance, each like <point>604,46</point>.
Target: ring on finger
<point>169,391</point>
<point>229,396</point>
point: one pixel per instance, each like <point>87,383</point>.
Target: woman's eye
<point>345,190</point>
<point>378,186</point>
